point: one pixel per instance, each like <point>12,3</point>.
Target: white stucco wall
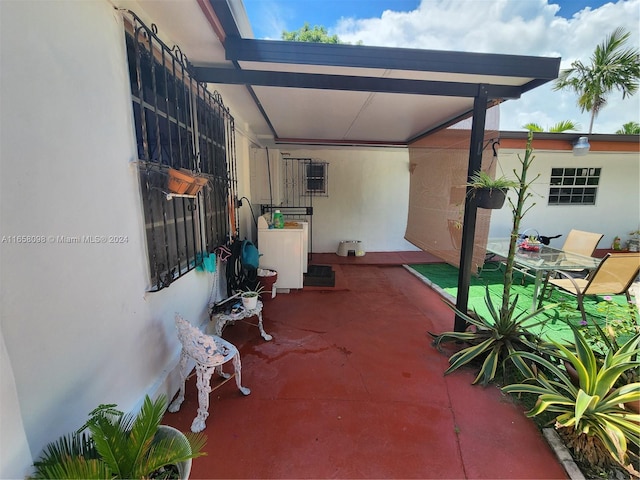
<point>617,208</point>
<point>368,198</point>
<point>15,454</point>
<point>79,327</point>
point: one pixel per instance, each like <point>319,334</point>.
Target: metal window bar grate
<point>179,124</point>
<point>297,197</point>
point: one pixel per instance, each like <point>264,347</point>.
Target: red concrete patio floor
<point>350,387</point>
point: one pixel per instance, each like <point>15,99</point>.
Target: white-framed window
<point>574,185</point>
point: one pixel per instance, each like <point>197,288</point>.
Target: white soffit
<point>335,114</point>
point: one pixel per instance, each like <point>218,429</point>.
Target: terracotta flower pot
<point>196,186</point>
<point>179,181</point>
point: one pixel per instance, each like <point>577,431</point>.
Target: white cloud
<point>273,18</point>
<point>518,27</point>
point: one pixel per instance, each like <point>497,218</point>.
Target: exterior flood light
<point>581,147</point>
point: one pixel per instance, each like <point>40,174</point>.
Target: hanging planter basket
<point>490,198</point>
<point>196,186</point>
<point>183,182</point>
<point>179,182</point>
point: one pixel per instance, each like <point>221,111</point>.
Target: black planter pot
<point>490,198</point>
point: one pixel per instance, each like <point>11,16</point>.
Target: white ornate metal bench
<point>209,352</point>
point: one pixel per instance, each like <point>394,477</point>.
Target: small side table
<point>222,319</point>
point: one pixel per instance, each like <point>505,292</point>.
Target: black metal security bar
<point>181,125</point>
<point>303,179</point>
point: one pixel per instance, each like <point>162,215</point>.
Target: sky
<point>570,29</point>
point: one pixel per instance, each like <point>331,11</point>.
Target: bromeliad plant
<point>591,414</point>
<point>505,332</point>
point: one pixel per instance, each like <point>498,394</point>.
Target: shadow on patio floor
<point>350,387</point>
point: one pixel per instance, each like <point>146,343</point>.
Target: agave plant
<point>119,446</point>
<point>495,339</point>
<point>595,407</point>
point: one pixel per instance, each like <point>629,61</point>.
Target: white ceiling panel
<point>348,96</point>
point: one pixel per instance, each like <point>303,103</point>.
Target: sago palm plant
<point>119,446</point>
<point>591,414</point>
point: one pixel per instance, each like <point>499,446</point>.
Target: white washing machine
<point>284,250</point>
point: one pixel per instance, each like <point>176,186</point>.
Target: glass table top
<point>546,258</point>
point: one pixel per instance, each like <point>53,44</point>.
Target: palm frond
<point>76,467</point>
<point>120,446</point>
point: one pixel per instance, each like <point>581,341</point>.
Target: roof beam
<point>303,53</point>
<point>349,83</point>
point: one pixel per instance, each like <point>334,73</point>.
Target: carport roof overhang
<point>355,94</point>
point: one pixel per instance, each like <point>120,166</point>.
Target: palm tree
<point>561,126</point>
<point>629,128</point>
<point>533,127</point>
<point>613,66</point>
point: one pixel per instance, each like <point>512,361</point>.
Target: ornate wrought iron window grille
<point>179,124</point>
<point>316,178</point>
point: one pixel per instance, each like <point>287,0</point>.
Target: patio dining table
<point>545,260</point>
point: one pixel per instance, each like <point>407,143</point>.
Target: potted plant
<point>114,445</point>
<point>184,182</point>
<point>250,298</point>
<point>488,192</point>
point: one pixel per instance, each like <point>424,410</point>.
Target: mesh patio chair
<point>614,275</point>
<point>209,352</point>
<point>583,243</point>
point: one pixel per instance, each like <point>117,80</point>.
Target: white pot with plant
<point>250,298</point>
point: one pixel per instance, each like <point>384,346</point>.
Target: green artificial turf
<point>556,325</point>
